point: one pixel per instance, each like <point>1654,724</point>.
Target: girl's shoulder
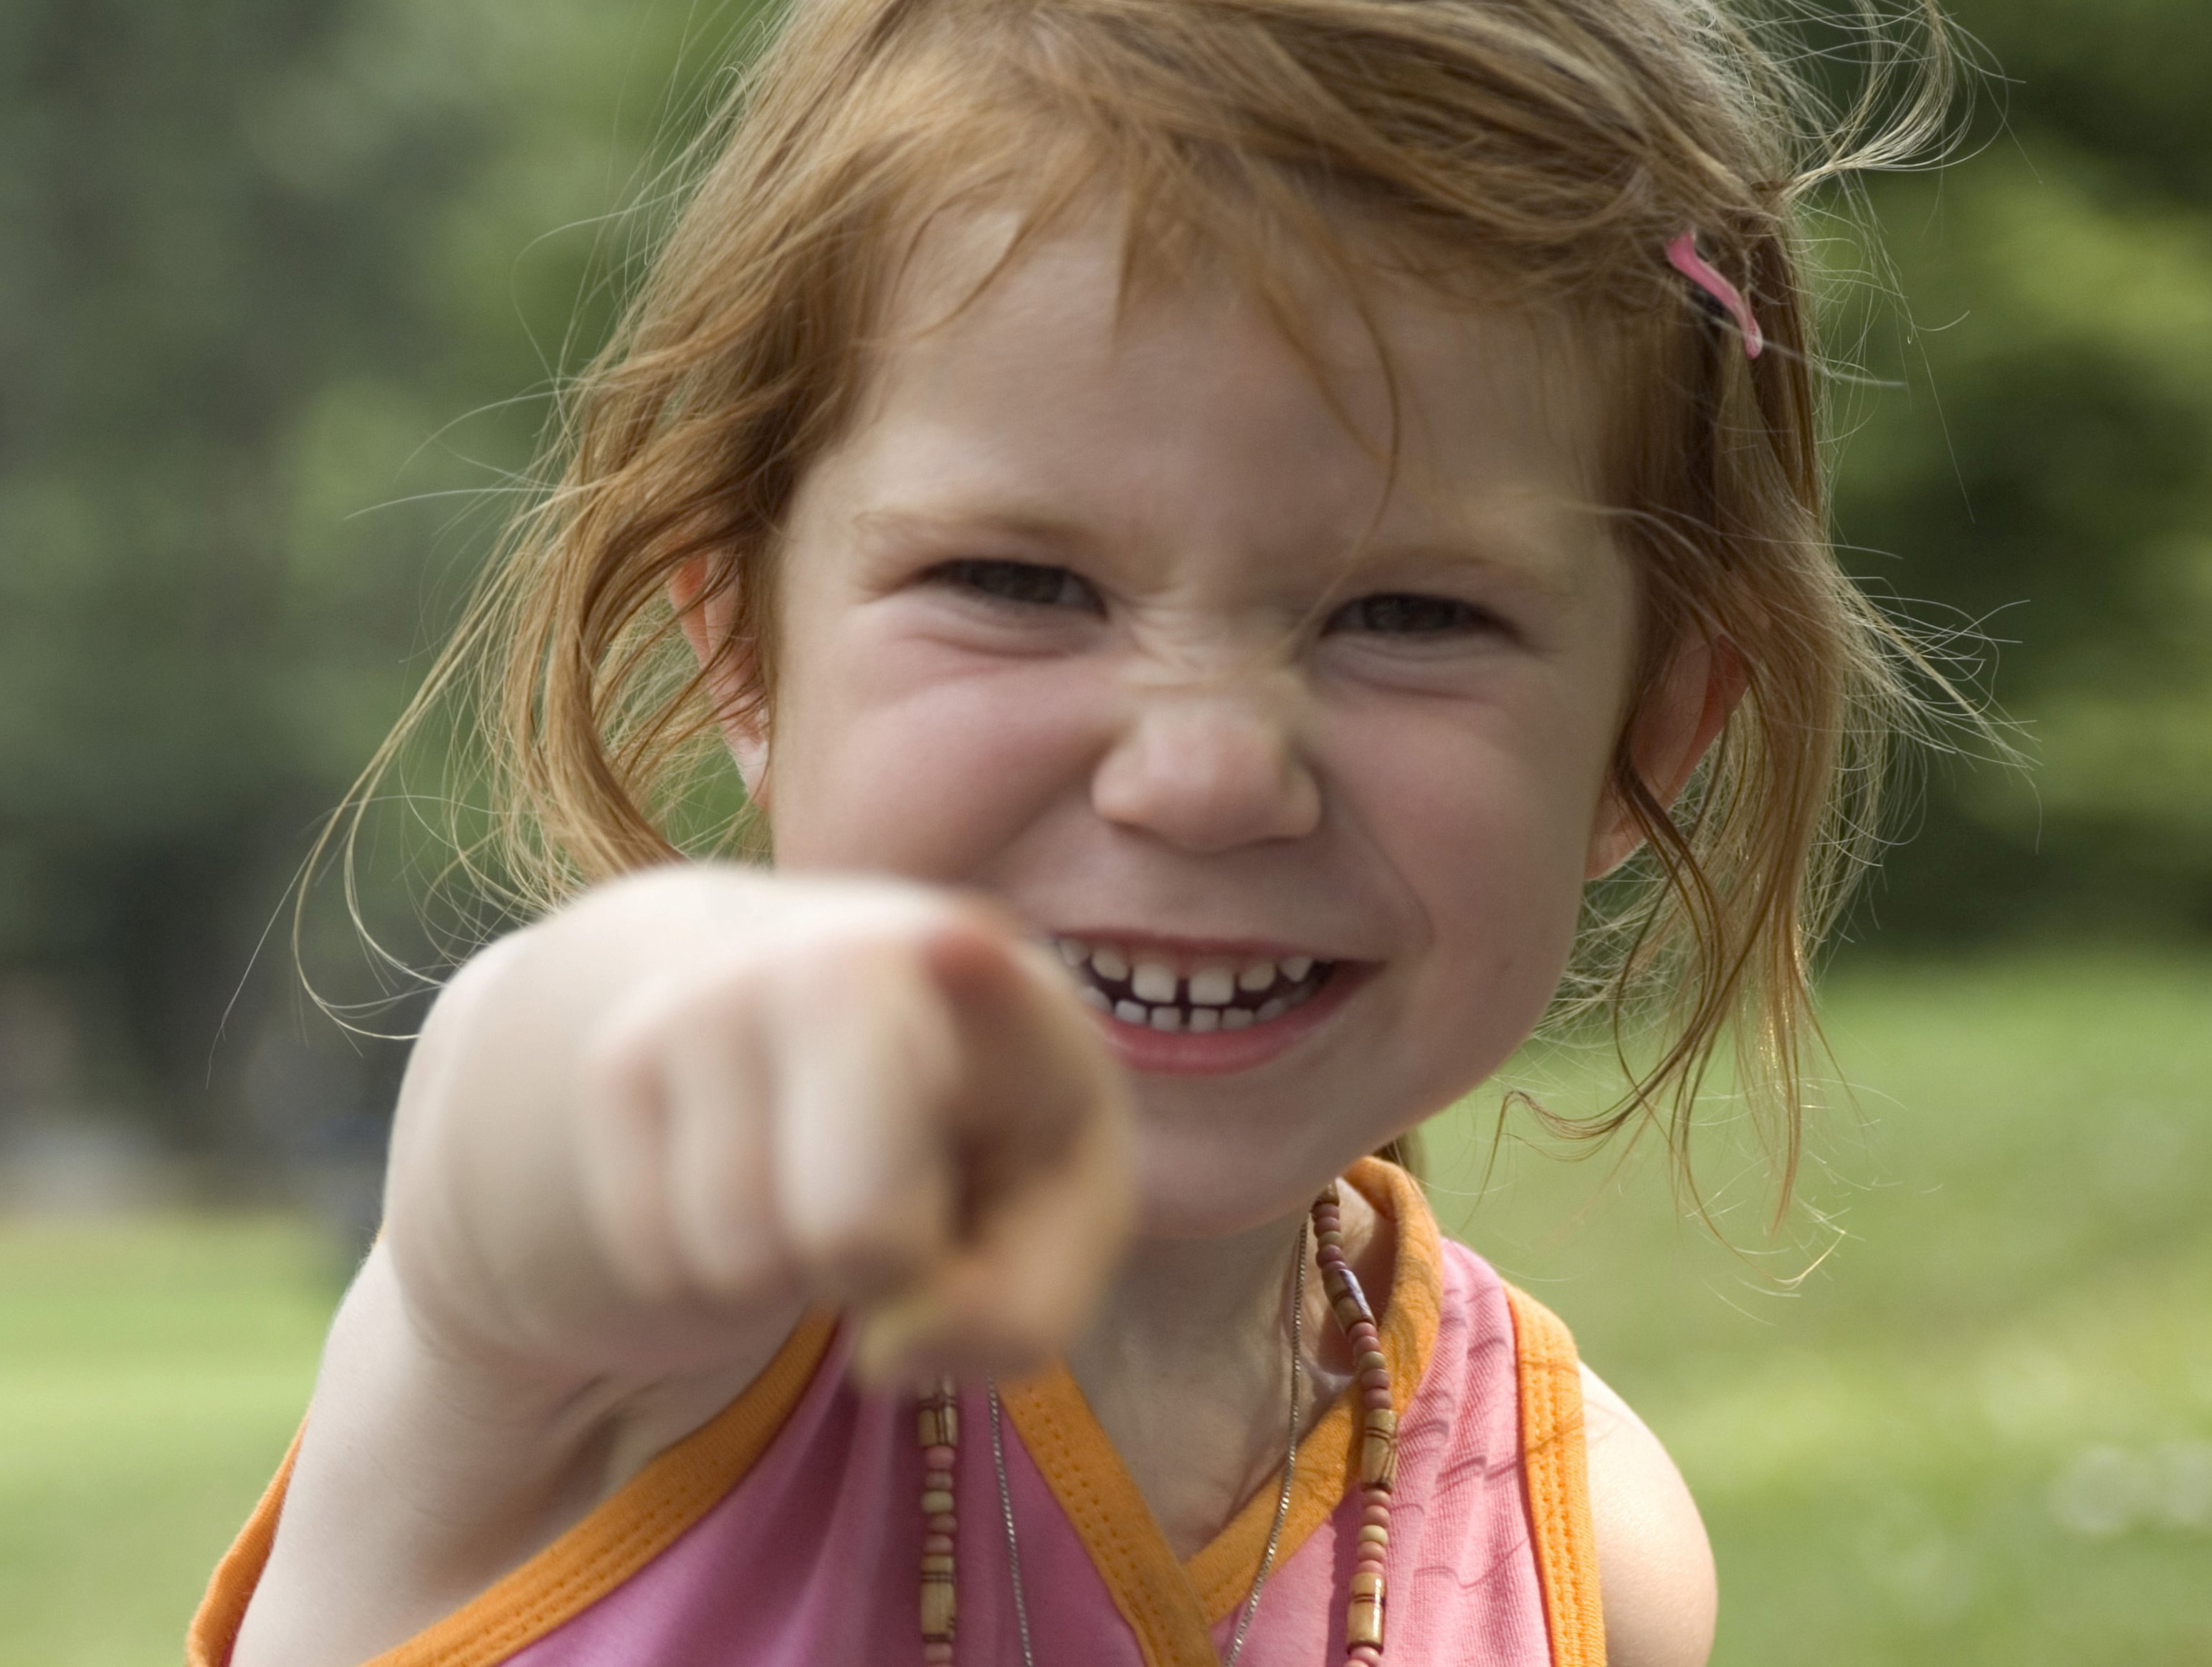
<point>1656,1564</point>
<point>1622,1558</point>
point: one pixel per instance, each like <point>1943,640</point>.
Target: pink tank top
<point>788,1529</point>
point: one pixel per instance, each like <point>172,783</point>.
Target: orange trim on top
<point>215,1628</point>
<point>1171,1606</point>
<point>1094,1488</point>
<point>1555,1469</point>
<point>623,1534</point>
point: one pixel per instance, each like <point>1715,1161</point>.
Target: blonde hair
<point>1534,153</point>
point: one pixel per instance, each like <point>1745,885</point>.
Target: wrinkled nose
<point>1207,772</point>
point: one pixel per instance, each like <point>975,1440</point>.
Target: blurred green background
<point>284,288</point>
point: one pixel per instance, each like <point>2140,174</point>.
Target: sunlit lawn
<point>1981,1434</point>
<point>150,1374</point>
<point>1982,1431</point>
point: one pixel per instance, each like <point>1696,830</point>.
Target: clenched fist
<point>882,1099</point>
<point>646,1133</point>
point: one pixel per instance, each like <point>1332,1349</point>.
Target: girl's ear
<point>708,614</point>
<point>1679,720</point>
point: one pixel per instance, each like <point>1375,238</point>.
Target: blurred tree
<point>260,254</point>
<point>2043,468</point>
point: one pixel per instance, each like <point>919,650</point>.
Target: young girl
<point>1206,526</point>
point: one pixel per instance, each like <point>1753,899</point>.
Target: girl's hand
<point>885,1101</point>
<point>643,1135</point>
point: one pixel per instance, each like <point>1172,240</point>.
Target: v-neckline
<point>1173,1605</point>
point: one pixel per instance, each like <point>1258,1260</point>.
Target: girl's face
<point>1110,616</point>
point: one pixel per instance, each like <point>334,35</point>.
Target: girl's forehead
<point>1035,377</point>
<point>1346,313</point>
<point>1029,384</point>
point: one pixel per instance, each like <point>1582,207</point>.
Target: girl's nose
<point>1207,774</point>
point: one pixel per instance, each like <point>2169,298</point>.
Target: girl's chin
<point>1203,1179</point>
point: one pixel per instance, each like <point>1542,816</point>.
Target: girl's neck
<point>1187,1367</point>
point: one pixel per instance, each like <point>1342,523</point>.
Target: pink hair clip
<point>1682,254</point>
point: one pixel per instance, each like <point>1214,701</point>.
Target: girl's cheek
<point>1490,839</point>
<point>925,770</point>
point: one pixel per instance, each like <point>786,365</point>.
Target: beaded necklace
<point>937,1428</point>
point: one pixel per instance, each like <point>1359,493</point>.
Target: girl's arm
<point>635,1143</point>
<point>1655,1564</point>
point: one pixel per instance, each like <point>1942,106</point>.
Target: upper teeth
<point>1213,986</point>
<point>1154,984</point>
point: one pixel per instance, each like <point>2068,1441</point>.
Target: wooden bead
<point>937,1608</point>
<point>1372,1360</point>
<point>936,1545</point>
<point>937,1655</point>
<point>1374,1533</point>
<point>1377,1514</point>
<point>937,1502</point>
<point>940,1457</point>
<point>1362,1622</point>
<point>937,1424</point>
<point>943,1522</point>
<point>1378,1449</point>
<point>940,1563</point>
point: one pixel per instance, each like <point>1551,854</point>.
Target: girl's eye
<point>1392,615</point>
<point>1024,584</point>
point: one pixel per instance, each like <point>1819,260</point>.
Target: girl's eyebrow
<point>1533,541</point>
<point>1526,563</point>
<point>1018,524</point>
<point>1508,551</point>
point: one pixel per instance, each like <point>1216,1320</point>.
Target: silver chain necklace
<point>1282,1500</point>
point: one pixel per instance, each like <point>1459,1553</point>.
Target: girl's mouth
<point>1211,993</point>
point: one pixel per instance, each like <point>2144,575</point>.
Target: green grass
<point>151,1372</point>
<point>1981,1433</point>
